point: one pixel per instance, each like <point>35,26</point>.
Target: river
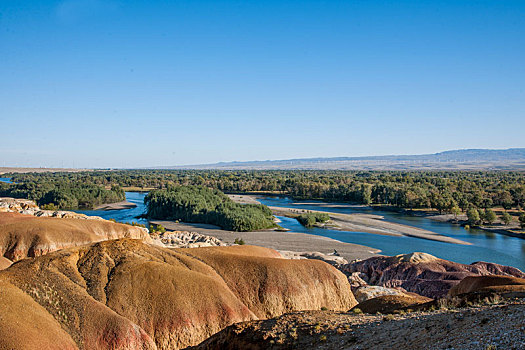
<point>485,246</point>
<point>123,215</point>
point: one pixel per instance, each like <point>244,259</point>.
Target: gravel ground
<point>484,327</point>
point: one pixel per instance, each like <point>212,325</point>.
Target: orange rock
<point>126,294</point>
<point>497,284</point>
<point>24,236</point>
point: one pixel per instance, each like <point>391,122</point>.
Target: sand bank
<point>371,224</point>
<point>357,222</point>
<point>116,206</point>
<point>289,241</point>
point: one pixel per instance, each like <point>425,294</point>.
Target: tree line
<point>446,191</point>
<point>61,193</point>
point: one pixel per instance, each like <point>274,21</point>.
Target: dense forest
<point>446,191</point>
<point>61,193</point>
<point>204,205</point>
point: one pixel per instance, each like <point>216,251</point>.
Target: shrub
<point>49,206</point>
<point>506,218</point>
<point>239,241</point>
<point>310,219</point>
<point>156,229</point>
<point>522,220</point>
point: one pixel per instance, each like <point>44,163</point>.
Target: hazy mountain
<point>506,159</point>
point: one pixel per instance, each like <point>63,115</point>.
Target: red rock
<point>423,273</point>
<point>497,284</point>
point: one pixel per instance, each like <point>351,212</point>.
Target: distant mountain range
<point>465,159</point>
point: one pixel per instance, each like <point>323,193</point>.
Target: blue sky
<point>93,83</point>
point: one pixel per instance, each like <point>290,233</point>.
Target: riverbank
<point>356,222</point>
<point>371,224</point>
<point>116,206</point>
<point>511,230</point>
<point>287,241</point>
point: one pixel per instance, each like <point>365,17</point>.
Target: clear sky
<point>94,83</point>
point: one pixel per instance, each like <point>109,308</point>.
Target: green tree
<point>522,220</point>
<point>473,216</point>
<point>489,216</point>
<point>481,214</point>
<point>506,218</point>
<point>455,211</point>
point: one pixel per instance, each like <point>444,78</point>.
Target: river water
<point>485,246</point>
<point>124,215</point>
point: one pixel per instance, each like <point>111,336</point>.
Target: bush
<point>522,220</point>
<point>357,310</point>
<point>310,219</point>
<point>506,218</point>
<point>156,229</point>
<point>239,241</point>
<point>49,206</point>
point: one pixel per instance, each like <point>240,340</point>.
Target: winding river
<point>485,246</point>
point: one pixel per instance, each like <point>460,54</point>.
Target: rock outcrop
<point>28,207</point>
<point>491,284</point>
<point>421,273</point>
<point>331,259</point>
<point>126,294</point>
<point>267,291</point>
<point>369,292</point>
<point>4,263</point>
<point>389,303</point>
<point>24,236</point>
<point>185,239</point>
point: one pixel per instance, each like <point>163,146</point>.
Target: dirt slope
<point>27,325</point>
<point>125,294</point>
<point>476,328</point>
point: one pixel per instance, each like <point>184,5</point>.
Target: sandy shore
<point>116,206</point>
<point>290,241</point>
<point>243,199</point>
<point>371,224</point>
<point>358,222</point>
